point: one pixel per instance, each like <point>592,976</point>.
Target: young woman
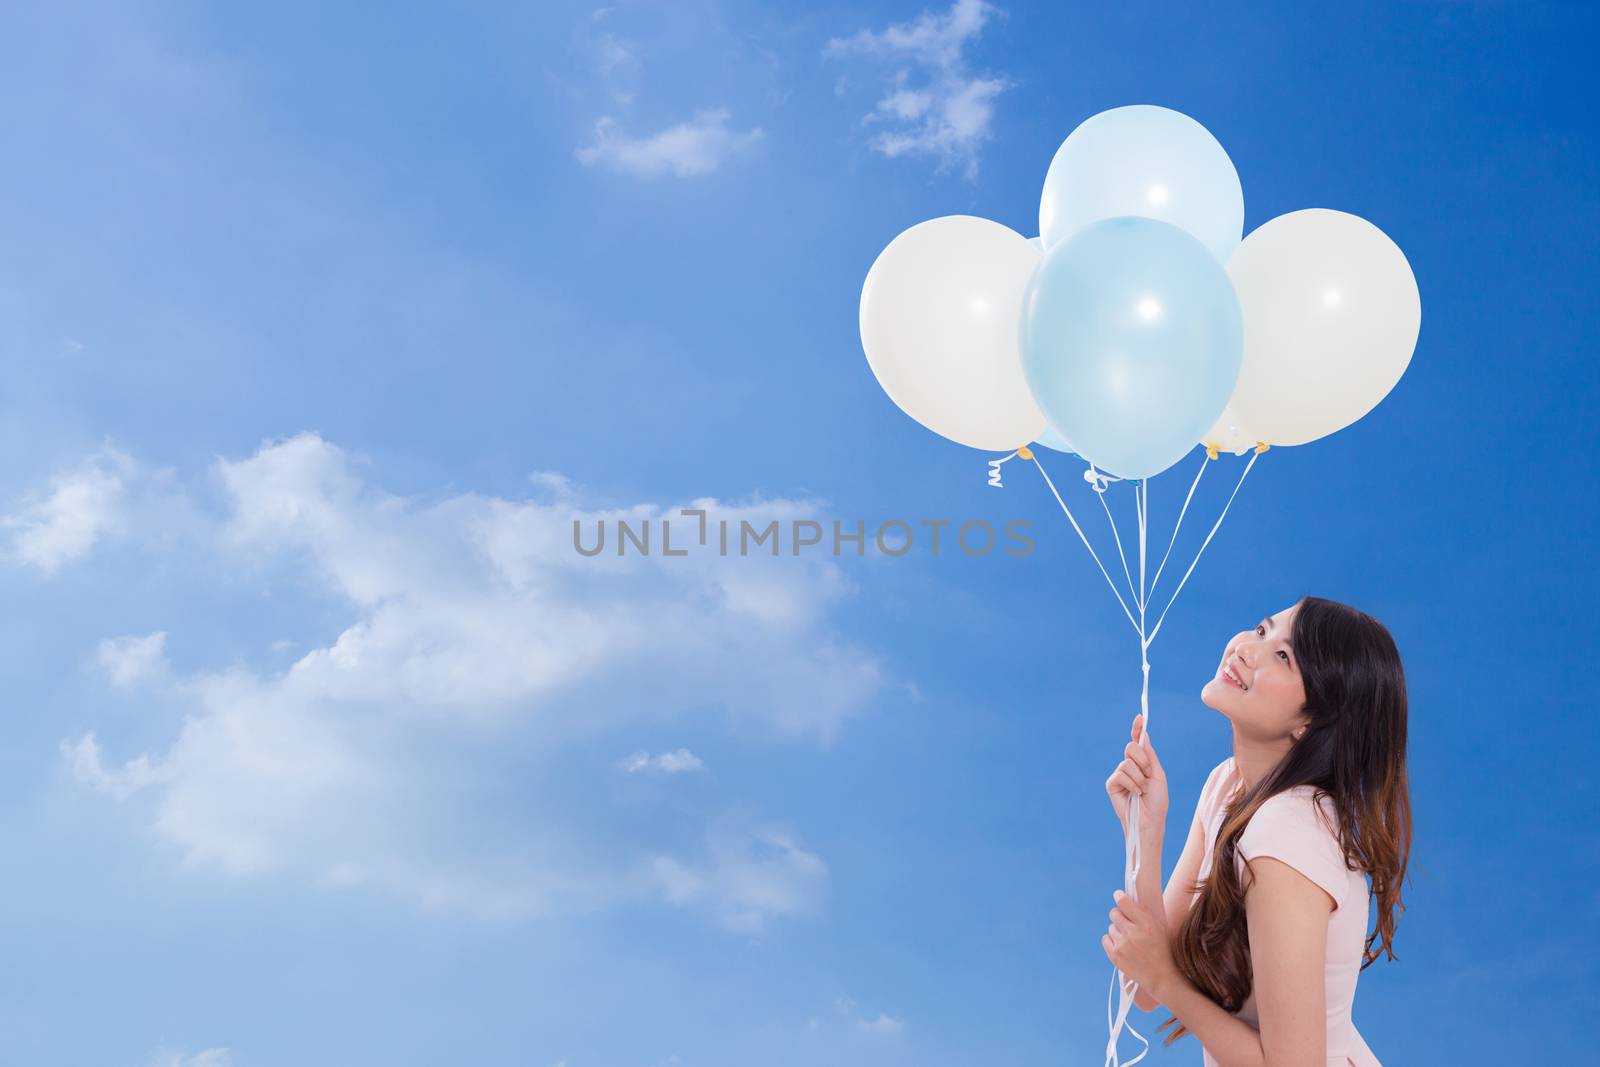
<point>1258,940</point>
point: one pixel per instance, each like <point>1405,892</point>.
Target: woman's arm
<point>1287,914</point>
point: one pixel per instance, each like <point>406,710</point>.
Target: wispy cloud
<point>481,648</point>
<point>676,762</point>
<point>83,755</point>
<point>211,1057</point>
<point>54,526</point>
<point>623,141</point>
<point>613,52</point>
<point>104,498</point>
<point>882,1024</point>
<point>933,103</point>
<point>687,149</point>
<point>127,661</point>
<point>846,1013</point>
<point>746,878</point>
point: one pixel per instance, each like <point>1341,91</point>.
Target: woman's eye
<point>1259,628</point>
<point>1284,654</point>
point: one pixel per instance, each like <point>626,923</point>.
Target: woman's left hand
<point>1136,941</point>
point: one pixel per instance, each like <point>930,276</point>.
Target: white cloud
<point>81,507</point>
<point>948,114</point>
<point>882,1024</point>
<point>614,52</point>
<point>676,762</point>
<point>103,499</point>
<point>906,104</point>
<point>127,661</point>
<point>953,133</point>
<point>933,39</point>
<point>211,1057</point>
<point>846,1014</point>
<point>687,149</point>
<point>87,766</point>
<point>481,648</point>
<point>554,481</point>
<point>746,877</point>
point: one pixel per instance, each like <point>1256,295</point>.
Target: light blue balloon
<point>1051,438</point>
<point>1131,341</point>
<point>1147,161</point>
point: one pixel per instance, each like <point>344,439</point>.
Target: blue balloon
<point>1131,341</point>
<point>1051,438</point>
<point>1148,161</point>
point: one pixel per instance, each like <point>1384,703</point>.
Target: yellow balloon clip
<point>1261,446</point>
<point>1024,452</point>
<point>1211,451</point>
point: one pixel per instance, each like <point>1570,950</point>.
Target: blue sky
<point>321,745</point>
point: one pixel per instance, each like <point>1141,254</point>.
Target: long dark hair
<point>1354,751</point>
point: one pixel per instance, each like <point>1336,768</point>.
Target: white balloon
<point>1229,434</point>
<point>1331,317</point>
<point>940,314</point>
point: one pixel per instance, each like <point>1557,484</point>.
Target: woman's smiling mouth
<point>1227,675</point>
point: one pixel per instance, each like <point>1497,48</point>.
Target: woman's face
<point>1257,684</point>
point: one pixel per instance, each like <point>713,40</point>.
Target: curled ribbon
<point>994,465</point>
<point>1098,480</point>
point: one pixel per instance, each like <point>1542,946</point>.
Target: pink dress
<point>1287,828</point>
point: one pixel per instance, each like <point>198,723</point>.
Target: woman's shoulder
<point>1299,826</point>
<point>1301,810</point>
<point>1303,803</point>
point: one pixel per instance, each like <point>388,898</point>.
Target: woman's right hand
<point>1139,772</point>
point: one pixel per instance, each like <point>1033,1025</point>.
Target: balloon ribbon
<point>1126,989</point>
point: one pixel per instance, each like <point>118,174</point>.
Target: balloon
<point>1051,438</point>
<point>1148,161</point>
<point>1228,434</point>
<point>1331,316</point>
<point>939,313</point>
<point>1131,343</point>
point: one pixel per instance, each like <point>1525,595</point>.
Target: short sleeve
<point>1287,827</point>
